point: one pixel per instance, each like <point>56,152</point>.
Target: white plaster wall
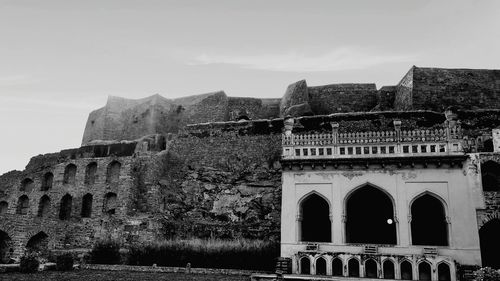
<point>456,187</point>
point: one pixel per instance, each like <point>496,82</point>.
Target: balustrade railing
<point>368,144</point>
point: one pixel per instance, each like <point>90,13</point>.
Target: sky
<point>59,60</point>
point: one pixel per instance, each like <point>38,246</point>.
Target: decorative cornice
<point>400,162</point>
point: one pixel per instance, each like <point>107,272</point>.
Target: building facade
<point>389,204</point>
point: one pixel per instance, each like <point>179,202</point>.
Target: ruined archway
<point>44,206</point>
<point>38,244</point>
<point>489,235</point>
<point>23,205</point>
<point>315,219</point>
<point>4,207</point>
<point>47,180</point>
<point>69,174</point>
<point>370,217</point>
<point>65,207</point>
<point>428,221</point>
<point>113,172</point>
<point>5,247</point>
<point>90,173</point>
<point>110,203</point>
<point>490,176</point>
<point>87,205</point>
<point>27,185</point>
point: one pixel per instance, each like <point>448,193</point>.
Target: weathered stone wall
<point>439,88</point>
<point>342,98</point>
<point>225,185</point>
<point>385,97</point>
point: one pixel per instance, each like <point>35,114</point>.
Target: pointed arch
<point>47,181</point>
<point>371,268</point>
<point>428,211</point>
<point>87,206</point>
<point>424,271</point>
<point>38,243</point>
<point>5,247</point>
<point>444,273</point>
<point>388,269</point>
<point>44,206</point>
<point>376,225</point>
<point>406,269</point>
<point>314,213</point>
<point>110,203</point>
<point>305,265</point>
<point>65,207</point>
<point>320,266</point>
<point>23,205</point>
<point>337,267</point>
<point>27,185</point>
<point>113,172</point>
<point>69,174</point>
<point>353,267</point>
<point>490,244</point>
<point>90,173</point>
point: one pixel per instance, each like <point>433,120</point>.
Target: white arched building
<point>394,204</point>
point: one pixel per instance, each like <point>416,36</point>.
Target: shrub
<point>213,253</point>
<point>106,252</point>
<point>487,274</point>
<point>29,263</point>
<point>64,262</point>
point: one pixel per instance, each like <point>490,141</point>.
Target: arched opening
<point>315,225</point>
<point>424,271</point>
<point>337,267</point>
<point>90,172</point>
<point>113,172</point>
<point>320,266</point>
<point>5,247</point>
<point>490,175</point>
<point>4,206</point>
<point>489,240</point>
<point>444,272</point>
<point>370,217</point>
<point>305,266</point>
<point>406,271</point>
<point>44,206</point>
<point>47,181</point>
<point>109,206</point>
<point>38,244</point>
<point>27,185</point>
<point>87,205</point>
<point>371,269</point>
<point>428,222</point>
<point>353,267</point>
<point>65,207</point>
<point>388,268</point>
<point>69,174</point>
<point>23,205</point>
<point>242,118</point>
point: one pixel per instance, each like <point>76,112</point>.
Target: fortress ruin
<point>346,176</point>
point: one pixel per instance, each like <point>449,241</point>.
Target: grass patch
<point>211,253</point>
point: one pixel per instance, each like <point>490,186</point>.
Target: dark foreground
<point>91,275</point>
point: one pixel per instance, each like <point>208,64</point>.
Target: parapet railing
<point>374,143</point>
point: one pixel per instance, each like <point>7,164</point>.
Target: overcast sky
<point>59,60</point>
